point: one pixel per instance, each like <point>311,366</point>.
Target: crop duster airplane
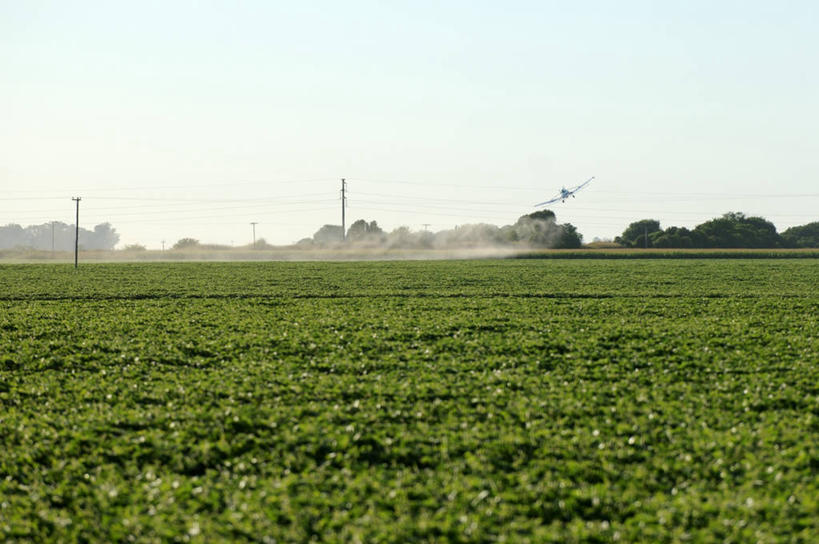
<point>566,193</point>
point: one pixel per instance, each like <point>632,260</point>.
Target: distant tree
<point>373,228</point>
<point>426,239</point>
<point>186,243</point>
<point>735,230</point>
<point>261,243</point>
<point>103,237</point>
<point>476,235</point>
<point>13,235</point>
<point>134,247</point>
<point>508,235</point>
<point>214,247</point>
<point>329,234</point>
<point>402,238</point>
<point>537,229</point>
<point>540,229</point>
<point>357,230</point>
<point>635,234</point>
<point>361,231</point>
<point>802,236</point>
<point>545,215</point>
<point>40,236</point>
<point>673,237</point>
<point>569,237</point>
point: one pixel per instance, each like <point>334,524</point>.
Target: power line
<point>185,209</point>
<point>545,186</point>
<point>431,213</point>
<point>186,219</point>
<point>173,209</point>
<point>436,184</point>
<point>435,207</point>
<point>196,187</point>
<point>211,200</point>
<point>35,198</point>
<point>37,214</point>
<point>432,199</point>
<point>266,199</point>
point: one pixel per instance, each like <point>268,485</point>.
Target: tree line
<point>539,229</point>
<point>60,234</point>
<point>734,230</point>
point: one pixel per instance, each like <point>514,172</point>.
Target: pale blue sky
<point>177,119</point>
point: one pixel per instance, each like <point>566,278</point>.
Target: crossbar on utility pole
<point>76,231</point>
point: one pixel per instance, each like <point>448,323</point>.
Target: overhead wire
<point>218,208</point>
<point>277,212</point>
<point>197,187</point>
<point>541,188</point>
<point>191,208</point>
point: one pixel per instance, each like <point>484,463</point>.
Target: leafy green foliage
<point>361,231</point>
<point>639,233</point>
<point>736,230</point>
<point>134,247</point>
<point>519,401</point>
<point>57,235</point>
<point>803,236</point>
<point>187,243</point>
<point>535,230</point>
<point>570,238</point>
<point>540,229</point>
<point>674,237</point>
<point>732,230</point>
<point>329,234</point>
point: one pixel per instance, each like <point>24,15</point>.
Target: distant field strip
<point>417,401</point>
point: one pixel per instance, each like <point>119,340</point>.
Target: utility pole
<point>426,226</point>
<point>343,208</point>
<point>253,224</point>
<point>163,245</point>
<point>76,231</point>
<point>645,236</point>
<point>52,238</point>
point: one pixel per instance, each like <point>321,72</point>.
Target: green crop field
<point>463,401</point>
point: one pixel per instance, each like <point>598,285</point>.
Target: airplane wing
<point>575,189</point>
<point>555,199</point>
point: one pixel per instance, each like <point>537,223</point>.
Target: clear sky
<point>175,118</point>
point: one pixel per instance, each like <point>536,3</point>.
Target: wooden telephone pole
<point>76,231</point>
<point>343,209</point>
